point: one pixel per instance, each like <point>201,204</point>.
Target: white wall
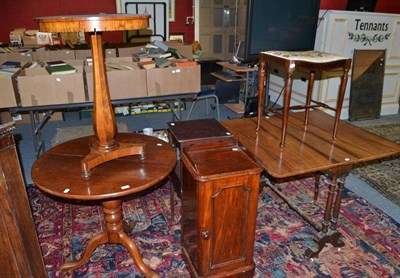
<point>340,32</point>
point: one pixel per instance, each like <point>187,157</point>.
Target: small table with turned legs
<point>308,61</point>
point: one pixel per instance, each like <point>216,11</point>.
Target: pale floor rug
<point>383,175</point>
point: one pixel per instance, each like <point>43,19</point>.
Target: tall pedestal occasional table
<point>106,166</point>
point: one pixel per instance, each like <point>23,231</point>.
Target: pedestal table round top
<point>58,171</point>
<point>92,22</point>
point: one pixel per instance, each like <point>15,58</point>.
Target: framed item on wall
<point>177,37</point>
<point>171,10</point>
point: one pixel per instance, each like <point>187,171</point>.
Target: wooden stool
<point>312,62</point>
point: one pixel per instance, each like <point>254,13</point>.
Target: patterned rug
<point>383,175</point>
<point>372,238</point>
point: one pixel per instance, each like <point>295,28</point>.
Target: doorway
<point>219,26</point>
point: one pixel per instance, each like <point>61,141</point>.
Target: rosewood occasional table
<point>57,172</point>
<point>310,151</point>
<point>105,166</point>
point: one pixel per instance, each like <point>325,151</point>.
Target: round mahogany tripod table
<point>58,173</point>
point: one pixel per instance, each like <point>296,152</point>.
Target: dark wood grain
<point>57,172</point>
<point>219,208</point>
<point>20,254</point>
<point>59,169</point>
<point>309,150</point>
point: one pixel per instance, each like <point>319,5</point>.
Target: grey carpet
<point>383,175</point>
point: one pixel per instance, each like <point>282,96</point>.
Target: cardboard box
<point>184,49</point>
<point>122,84</point>
<point>16,36</point>
<point>9,96</point>
<point>128,51</point>
<point>83,53</point>
<point>173,80</point>
<point>73,37</point>
<point>110,52</point>
<point>38,87</point>
<point>18,56</point>
<point>49,55</point>
<point>30,37</point>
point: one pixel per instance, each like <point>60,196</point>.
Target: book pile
<point>121,65</point>
<point>59,67</point>
<point>147,64</point>
<point>160,55</point>
<point>10,64</point>
<point>6,72</point>
<point>6,50</point>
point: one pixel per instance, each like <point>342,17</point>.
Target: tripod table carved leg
<point>92,245</point>
<point>114,234</point>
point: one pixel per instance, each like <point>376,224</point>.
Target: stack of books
<point>6,72</point>
<point>10,64</point>
<point>121,65</point>
<point>160,55</point>
<point>6,50</point>
<point>147,64</point>
<point>59,67</point>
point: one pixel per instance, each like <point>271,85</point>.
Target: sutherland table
<point>57,172</point>
<point>309,151</point>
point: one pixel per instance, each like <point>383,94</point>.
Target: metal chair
<point>206,93</point>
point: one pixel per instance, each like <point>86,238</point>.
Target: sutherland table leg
<point>114,234</point>
<point>329,232</point>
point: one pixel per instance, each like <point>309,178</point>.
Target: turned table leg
<point>114,234</point>
<point>92,245</point>
<point>329,232</point>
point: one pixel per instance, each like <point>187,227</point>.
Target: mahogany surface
<point>92,22</point>
<point>308,150</point>
<point>59,169</point>
<point>183,134</point>
<point>20,254</point>
<point>219,208</point>
<point>57,172</point>
<point>195,132</point>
